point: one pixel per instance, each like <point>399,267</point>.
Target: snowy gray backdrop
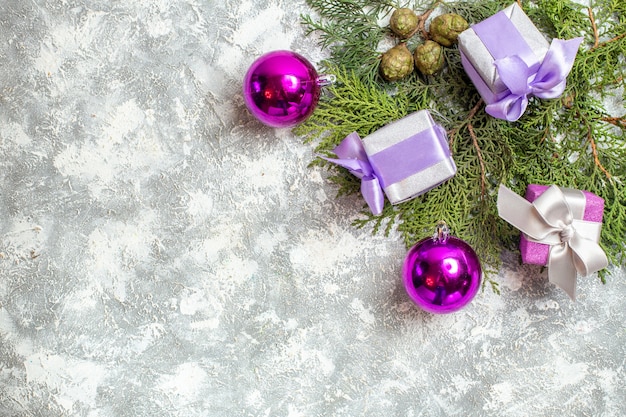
<point>164,254</point>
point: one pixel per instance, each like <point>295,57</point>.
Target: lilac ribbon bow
<point>352,156</point>
<point>548,81</point>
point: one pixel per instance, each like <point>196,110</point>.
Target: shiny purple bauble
<point>442,275</point>
<point>281,89</point>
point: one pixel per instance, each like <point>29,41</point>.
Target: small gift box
<point>509,60</point>
<point>404,159</point>
<point>591,210</point>
<point>560,229</point>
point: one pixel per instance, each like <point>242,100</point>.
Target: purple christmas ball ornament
<point>282,88</point>
<point>442,274</point>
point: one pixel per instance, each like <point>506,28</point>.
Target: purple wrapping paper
<point>538,253</point>
<point>404,159</point>
<point>410,156</point>
<point>509,60</point>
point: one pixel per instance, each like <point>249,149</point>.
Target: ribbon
<point>548,81</point>
<point>410,155</point>
<point>385,159</point>
<point>352,156</point>
<point>555,219</point>
<point>519,67</point>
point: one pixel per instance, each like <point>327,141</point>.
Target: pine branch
<point>572,142</point>
<point>617,121</point>
<point>594,28</point>
<point>481,161</point>
<point>594,151</point>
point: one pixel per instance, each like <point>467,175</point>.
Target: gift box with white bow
<point>560,229</point>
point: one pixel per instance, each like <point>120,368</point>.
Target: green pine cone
<point>403,22</point>
<point>396,63</point>
<point>445,28</point>
<point>429,57</point>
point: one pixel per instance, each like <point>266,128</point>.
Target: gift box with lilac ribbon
<point>509,60</point>
<point>560,229</point>
<point>403,159</point>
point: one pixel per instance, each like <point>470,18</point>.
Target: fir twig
<point>470,115</point>
<point>421,21</point>
<point>483,174</point>
<point>594,28</point>
<point>594,151</point>
<point>614,39</point>
<point>617,121</point>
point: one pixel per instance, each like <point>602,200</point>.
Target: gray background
<point>164,254</point>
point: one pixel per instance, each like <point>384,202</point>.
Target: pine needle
<point>572,142</point>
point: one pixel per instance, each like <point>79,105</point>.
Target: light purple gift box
<point>538,253</point>
<point>410,156</point>
<point>405,159</point>
<point>509,60</point>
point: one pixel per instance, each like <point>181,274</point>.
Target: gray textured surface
<point>163,254</point>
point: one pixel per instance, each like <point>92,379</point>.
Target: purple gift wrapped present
<point>509,60</point>
<point>593,208</point>
<point>560,229</point>
<point>403,159</point>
